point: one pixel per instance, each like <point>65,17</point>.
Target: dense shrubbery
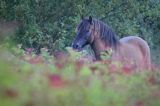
<point>27,79</point>
<point>51,23</point>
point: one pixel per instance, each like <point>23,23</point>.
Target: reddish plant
<point>10,93</point>
<point>108,61</point>
<point>139,103</point>
<point>59,65</point>
<point>93,68</point>
<point>60,56</point>
<point>56,81</point>
<point>127,69</point>
<point>113,68</point>
<point>36,60</point>
<point>152,80</point>
<point>30,103</point>
<point>78,65</point>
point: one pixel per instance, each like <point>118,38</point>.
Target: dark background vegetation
<point>52,23</point>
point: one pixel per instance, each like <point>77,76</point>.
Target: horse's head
<point>84,34</point>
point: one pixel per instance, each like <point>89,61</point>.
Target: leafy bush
<point>51,23</point>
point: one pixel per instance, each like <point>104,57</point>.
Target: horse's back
<point>140,44</point>
<point>130,39</point>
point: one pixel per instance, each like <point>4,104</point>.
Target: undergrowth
<point>70,79</point>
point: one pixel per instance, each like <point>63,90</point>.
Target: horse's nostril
<point>75,46</point>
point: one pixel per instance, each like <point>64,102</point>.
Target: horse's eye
<point>87,31</point>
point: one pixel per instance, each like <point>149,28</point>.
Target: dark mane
<point>106,33</point>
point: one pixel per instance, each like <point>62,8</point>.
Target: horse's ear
<point>90,19</point>
<point>82,17</point>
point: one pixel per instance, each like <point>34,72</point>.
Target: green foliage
<point>106,55</point>
<point>28,79</point>
<point>51,23</point>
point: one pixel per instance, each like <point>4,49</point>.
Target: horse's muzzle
<point>76,47</point>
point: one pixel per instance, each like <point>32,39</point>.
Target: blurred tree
<point>52,23</point>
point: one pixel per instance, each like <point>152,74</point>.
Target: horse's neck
<point>98,46</point>
<point>96,49</point>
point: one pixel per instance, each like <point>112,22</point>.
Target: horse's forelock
<point>82,25</point>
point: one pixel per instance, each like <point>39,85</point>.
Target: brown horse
<point>101,38</point>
